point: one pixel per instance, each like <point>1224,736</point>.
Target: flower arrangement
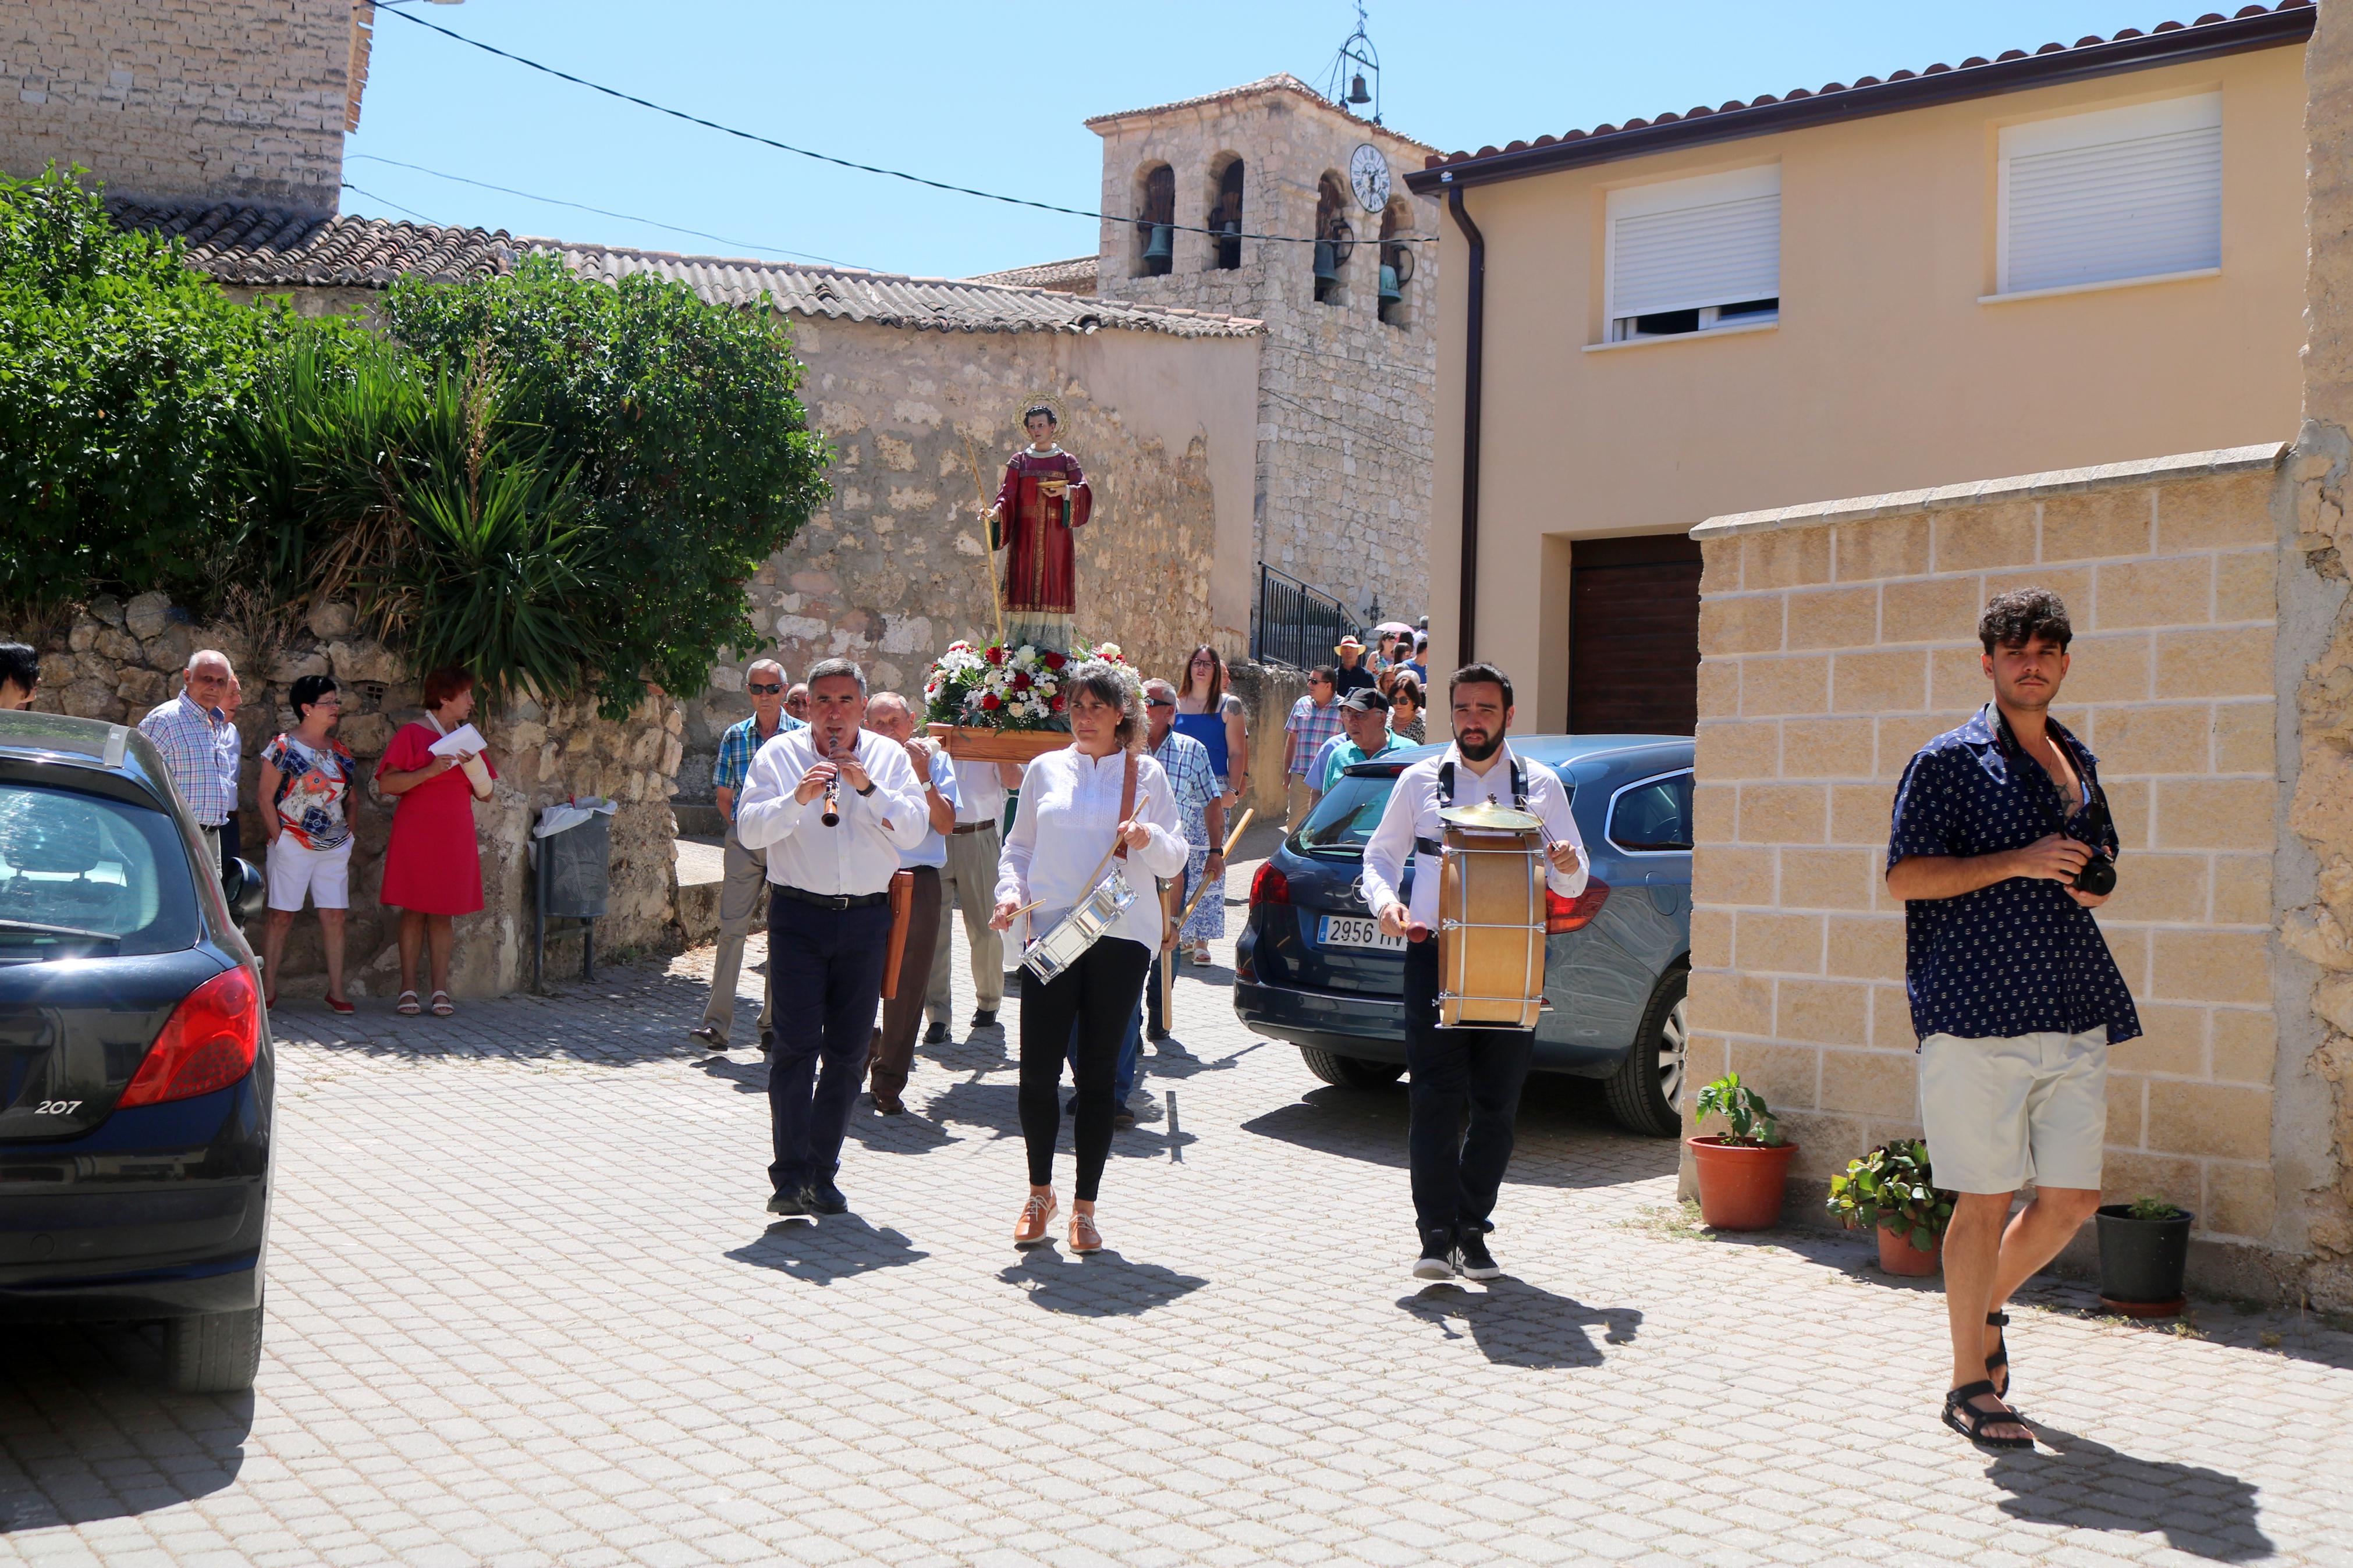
<point>996,687</point>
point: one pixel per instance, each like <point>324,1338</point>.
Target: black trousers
<point>825,975</point>
<point>1098,993</point>
<point>1456,1173</point>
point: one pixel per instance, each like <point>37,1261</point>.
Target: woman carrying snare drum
<point>1071,816</point>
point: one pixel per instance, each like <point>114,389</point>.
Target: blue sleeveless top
<point>1210,729</point>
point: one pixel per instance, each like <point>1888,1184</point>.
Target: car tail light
<point>208,1043</point>
<point>1574,914</point>
<point>1270,887</point>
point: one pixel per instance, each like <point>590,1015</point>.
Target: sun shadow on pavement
<point>1514,1323</point>
<point>839,1247</point>
<point>2090,1486</point>
<point>88,1433</point>
<point>1102,1285</point>
<point>1552,1149</point>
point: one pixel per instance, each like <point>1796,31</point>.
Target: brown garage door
<point>1633,635</point>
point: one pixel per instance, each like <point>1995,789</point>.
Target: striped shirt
<point>200,752</point>
<point>738,747</point>
<point>1313,726</point>
<point>1186,763</point>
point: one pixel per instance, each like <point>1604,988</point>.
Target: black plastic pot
<point>2142,1260</point>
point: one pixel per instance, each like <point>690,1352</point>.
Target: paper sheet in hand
<point>463,740</point>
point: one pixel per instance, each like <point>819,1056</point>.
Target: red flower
<point>1021,681</point>
<point>1058,703</point>
<point>995,656</point>
<point>1054,660</point>
<point>991,701</point>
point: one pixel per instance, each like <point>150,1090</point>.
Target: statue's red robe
<point>1038,569</point>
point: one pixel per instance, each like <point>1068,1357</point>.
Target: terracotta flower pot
<point>1740,1187</point>
<point>1898,1256</point>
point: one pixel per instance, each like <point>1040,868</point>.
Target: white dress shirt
<point>1412,813</point>
<point>980,797</point>
<point>934,850</point>
<point>858,857</point>
<point>1068,817</point>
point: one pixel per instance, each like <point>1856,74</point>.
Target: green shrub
<point>2154,1210</point>
<point>1744,1112</point>
<point>1891,1188</point>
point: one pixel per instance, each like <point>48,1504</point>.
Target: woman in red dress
<point>432,868</point>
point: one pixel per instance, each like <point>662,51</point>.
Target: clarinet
<point>832,817</point>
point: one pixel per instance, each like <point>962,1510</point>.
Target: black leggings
<point>1100,993</point>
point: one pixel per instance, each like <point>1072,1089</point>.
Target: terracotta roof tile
<point>257,246</point>
<point>1281,81</point>
<point>1076,275</point>
<point>1864,84</point>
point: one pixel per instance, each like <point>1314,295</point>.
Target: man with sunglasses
<point>746,881</point>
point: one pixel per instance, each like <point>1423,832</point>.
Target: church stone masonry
<point>1347,398</point>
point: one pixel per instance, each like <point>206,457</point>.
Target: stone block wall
<point>245,98</point>
<point>115,661</point>
<point>1836,639</point>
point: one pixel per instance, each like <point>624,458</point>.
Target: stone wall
<point>169,98</point>
<point>893,568</point>
<point>1836,639</point>
<point>1346,401</point>
<point>115,661</point>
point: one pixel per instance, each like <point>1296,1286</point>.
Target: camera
<point>2098,877</point>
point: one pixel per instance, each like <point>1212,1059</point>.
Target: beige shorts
<point>2001,1112</point>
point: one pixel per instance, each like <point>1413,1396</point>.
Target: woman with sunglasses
<point>1404,692</point>
<point>1215,717</point>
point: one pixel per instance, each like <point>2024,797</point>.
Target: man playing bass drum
<point>1456,1175</point>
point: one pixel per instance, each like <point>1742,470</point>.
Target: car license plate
<point>1357,930</point>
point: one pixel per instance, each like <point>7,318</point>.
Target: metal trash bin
<point>573,880</point>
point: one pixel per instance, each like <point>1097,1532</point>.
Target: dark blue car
<point>1313,969</point>
<point>134,1056</point>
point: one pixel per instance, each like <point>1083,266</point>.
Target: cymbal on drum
<point>1491,816</point>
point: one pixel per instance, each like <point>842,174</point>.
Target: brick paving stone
<point>525,1310</point>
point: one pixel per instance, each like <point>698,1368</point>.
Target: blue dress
<point>1210,729</point>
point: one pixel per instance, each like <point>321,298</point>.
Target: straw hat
<point>1349,644</point>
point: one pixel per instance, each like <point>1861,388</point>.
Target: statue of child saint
<point>1044,497</point>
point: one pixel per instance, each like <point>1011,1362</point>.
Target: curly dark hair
<point>2014,618</point>
<point>1034,410</point>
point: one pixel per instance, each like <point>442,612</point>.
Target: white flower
<point>1109,651</point>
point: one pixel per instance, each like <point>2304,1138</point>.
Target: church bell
<point>1160,245</point>
<point>1390,292</point>
<point>1327,269</point>
<point>1357,93</point>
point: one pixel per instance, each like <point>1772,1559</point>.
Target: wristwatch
<point>867,791</point>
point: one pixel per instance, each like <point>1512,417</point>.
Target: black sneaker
<point>982,1018</point>
<point>1156,1035</point>
<point>938,1034</point>
<point>1472,1255</point>
<point>824,1197</point>
<point>1437,1260</point>
<point>767,1041</point>
<point>794,1202</point>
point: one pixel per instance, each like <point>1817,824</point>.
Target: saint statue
<point>1043,498</point>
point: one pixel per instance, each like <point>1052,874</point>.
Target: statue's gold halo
<point>1052,400</point>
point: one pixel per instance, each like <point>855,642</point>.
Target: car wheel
<point>216,1353</point>
<point>1350,1072</point>
<point>1645,1089</point>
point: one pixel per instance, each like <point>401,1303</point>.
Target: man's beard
<point>1479,750</point>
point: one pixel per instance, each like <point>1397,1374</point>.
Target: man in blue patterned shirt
<point>746,883</point>
<point>200,745</point>
<point>2014,995</point>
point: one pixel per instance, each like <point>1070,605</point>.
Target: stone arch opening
<point>1226,178</point>
<point>1335,239</point>
<point>1155,222</point>
<point>1398,258</point>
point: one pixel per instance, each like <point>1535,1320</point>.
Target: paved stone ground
<point>526,1308</point>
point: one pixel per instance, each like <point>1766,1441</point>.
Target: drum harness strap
<point>1446,798</point>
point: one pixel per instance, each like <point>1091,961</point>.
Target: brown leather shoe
<point>1036,1214</point>
<point>1084,1236</point>
<point>889,1104</point>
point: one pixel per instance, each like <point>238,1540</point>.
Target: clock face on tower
<point>1368,175</point>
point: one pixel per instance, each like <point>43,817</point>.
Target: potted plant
<point>1003,703</point>
<point>1891,1191</point>
<point>2143,1251</point>
<point>1743,1173</point>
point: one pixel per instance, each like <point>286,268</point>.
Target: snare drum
<point>1491,920</point>
<point>1080,929</point>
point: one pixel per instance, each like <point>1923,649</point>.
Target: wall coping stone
<point>2022,486</point>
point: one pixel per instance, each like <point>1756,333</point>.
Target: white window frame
<point>2094,128</point>
<point>1682,195</point>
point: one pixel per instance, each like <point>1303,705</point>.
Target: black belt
<point>974,826</point>
<point>1429,847</point>
<point>833,900</point>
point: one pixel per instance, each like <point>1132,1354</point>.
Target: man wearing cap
<point>1364,735</point>
<point>1352,674</point>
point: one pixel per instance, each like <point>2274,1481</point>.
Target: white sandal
<point>408,1005</point>
<point>442,1006</point>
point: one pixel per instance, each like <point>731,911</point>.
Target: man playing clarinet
<point>832,805</point>
<point>1456,1175</point>
<point>1043,499</point>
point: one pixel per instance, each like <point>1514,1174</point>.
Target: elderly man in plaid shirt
<point>746,883</point>
<point>200,745</point>
<point>1314,719</point>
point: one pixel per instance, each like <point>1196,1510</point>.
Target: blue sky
<point>993,96</point>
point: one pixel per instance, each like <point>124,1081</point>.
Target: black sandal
<point>1972,1422</point>
<point>1998,1362</point>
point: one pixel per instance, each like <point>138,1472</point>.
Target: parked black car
<point>135,1063</point>
<point>1313,969</point>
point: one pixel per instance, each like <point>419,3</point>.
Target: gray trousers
<point>741,894</point>
<point>969,883</point>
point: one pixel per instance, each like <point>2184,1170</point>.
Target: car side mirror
<point>245,889</point>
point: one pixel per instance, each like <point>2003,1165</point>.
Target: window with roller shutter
<point>1694,256</point>
<point>2131,195</point>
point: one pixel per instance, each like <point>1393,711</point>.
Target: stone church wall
<point>115,661</point>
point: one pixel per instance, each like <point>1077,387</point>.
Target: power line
<point>396,207</point>
<point>393,10</point>
<point>602,212</point>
